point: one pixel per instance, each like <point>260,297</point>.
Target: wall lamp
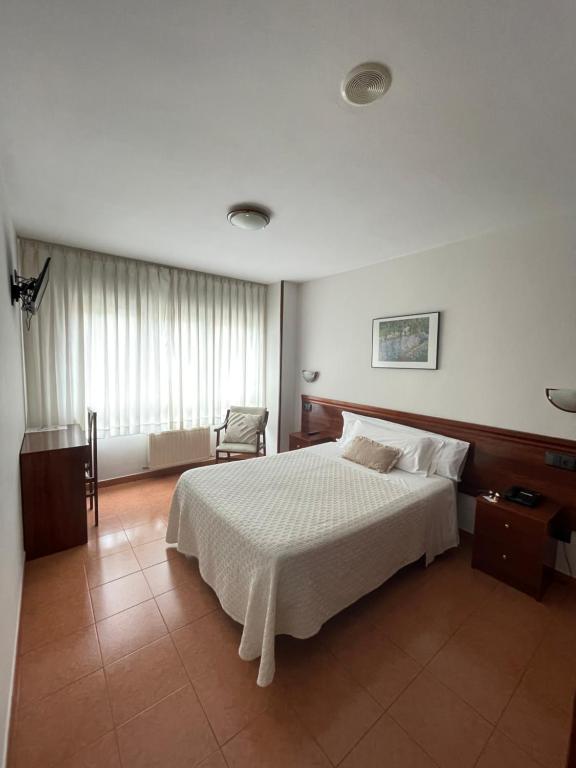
<point>563,399</point>
<point>310,376</point>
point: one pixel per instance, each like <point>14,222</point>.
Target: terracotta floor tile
<point>483,664</point>
<point>336,710</point>
<point>61,564</point>
<point>143,534</point>
<point>172,573</point>
<point>155,552</point>
<point>51,621</point>
<point>551,674</point>
<point>500,752</point>
<point>130,630</point>
<point>118,595</point>
<point>139,680</point>
<point>173,733</point>
<point>106,525</point>
<point>507,608</point>
<point>40,588</point>
<point>275,738</point>
<point>142,514</point>
<point>102,754</point>
<point>423,622</point>
<point>104,569</point>
<point>371,659</point>
<point>215,760</point>
<point>225,684</point>
<point>110,544</point>
<point>186,603</point>
<point>386,744</point>
<point>58,663</point>
<point>449,730</point>
<point>61,724</point>
<point>541,731</point>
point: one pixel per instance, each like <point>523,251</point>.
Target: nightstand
<point>305,440</point>
<point>513,543</point>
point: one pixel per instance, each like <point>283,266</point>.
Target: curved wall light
<point>563,399</point>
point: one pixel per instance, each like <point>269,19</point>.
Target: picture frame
<point>406,341</point>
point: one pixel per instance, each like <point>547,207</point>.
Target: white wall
<point>508,330</point>
<point>12,430</point>
<point>289,363</point>
<point>273,329</point>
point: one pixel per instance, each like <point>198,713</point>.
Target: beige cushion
<point>370,454</point>
<point>237,447</point>
<point>242,428</point>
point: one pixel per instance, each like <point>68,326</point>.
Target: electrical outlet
<point>560,460</point>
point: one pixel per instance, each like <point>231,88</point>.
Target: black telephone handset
<point>524,496</point>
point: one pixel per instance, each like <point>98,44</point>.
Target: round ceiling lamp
<point>366,83</point>
<point>248,218</point>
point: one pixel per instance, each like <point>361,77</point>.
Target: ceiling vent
<point>366,83</point>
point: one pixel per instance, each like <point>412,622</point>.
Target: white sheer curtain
<point>148,347</point>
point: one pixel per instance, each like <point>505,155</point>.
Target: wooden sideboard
<point>52,477</point>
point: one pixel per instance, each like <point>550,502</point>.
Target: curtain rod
<point>21,238</point>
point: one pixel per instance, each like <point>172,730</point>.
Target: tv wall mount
<point>22,289</point>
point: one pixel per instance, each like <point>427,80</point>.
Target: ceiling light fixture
<point>248,218</point>
<point>366,83</point>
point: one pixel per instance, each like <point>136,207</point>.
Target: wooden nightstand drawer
<point>508,528</point>
<point>305,440</point>
<point>512,543</point>
<point>508,563</point>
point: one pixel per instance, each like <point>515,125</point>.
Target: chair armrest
<point>220,428</point>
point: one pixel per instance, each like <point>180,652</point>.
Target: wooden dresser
<point>305,440</point>
<point>52,467</point>
<point>512,543</point>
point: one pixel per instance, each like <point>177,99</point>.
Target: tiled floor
<point>127,661</point>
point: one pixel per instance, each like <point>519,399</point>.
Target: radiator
<point>182,446</point>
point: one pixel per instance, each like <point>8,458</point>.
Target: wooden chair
<point>91,473</point>
<point>225,449</point>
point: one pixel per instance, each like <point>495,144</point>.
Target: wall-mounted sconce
<point>310,376</point>
<point>564,399</point>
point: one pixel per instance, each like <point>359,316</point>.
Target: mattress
<point>288,541</point>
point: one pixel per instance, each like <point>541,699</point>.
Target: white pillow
<point>450,460</point>
<point>419,454</point>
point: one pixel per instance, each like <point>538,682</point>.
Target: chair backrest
<point>93,439</point>
<point>261,412</point>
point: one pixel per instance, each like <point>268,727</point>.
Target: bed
<point>288,541</point>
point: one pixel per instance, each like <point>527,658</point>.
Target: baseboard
<point>154,473</point>
<point>10,718</point>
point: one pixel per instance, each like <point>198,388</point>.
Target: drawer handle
<point>506,525</point>
<point>504,557</point>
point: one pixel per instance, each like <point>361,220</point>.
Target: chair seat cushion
<point>238,447</point>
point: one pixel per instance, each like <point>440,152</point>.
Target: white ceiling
<point>131,126</point>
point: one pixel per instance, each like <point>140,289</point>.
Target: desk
<point>52,472</point>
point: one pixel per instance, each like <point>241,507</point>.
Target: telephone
<point>524,496</point>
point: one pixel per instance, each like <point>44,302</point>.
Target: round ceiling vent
<point>366,83</point>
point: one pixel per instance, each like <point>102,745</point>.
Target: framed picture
<point>408,341</point>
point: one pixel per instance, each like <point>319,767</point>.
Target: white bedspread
<point>288,541</point>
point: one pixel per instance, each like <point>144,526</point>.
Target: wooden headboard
<point>497,457</point>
